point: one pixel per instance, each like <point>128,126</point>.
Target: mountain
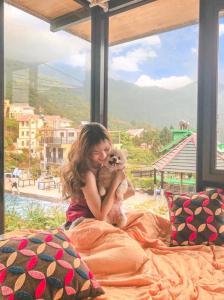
<point>153,105</point>
<point>144,105</point>
<point>54,96</point>
<point>64,102</point>
<point>127,103</point>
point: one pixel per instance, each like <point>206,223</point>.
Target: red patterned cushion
<point>197,219</point>
<point>45,266</point>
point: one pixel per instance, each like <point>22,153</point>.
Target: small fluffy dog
<point>115,161</point>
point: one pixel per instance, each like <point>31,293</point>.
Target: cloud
<point>30,40</point>
<point>153,40</point>
<point>194,50</point>
<point>221,29</point>
<point>130,56</point>
<point>80,59</point>
<point>169,83</point>
<point>131,60</point>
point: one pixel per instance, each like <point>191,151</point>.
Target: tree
<point>165,136</point>
<point>126,140</point>
<point>11,129</point>
<point>151,138</point>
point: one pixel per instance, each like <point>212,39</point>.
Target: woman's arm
<point>99,208</point>
<point>130,191</point>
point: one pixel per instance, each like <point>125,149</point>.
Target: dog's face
<point>115,160</point>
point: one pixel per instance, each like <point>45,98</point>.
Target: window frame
<point>207,173</point>
<point>2,207</point>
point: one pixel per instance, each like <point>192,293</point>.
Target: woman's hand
<point>119,176</point>
<point>130,191</point>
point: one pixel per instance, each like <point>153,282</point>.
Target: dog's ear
<point>125,152</point>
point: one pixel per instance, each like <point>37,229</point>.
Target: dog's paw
<point>121,220</point>
<point>102,191</point>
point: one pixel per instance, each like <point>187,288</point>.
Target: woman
<point>85,158</point>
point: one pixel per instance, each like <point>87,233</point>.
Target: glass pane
<point>152,112</point>
<point>47,82</point>
<point>220,98</point>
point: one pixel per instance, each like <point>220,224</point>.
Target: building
<point>177,168</point>
<point>82,123</point>
<point>17,110</point>
<point>221,148</point>
<point>6,108</point>
<point>56,144</point>
<point>29,126</point>
<point>145,146</point>
<point>135,132</point>
<point>54,121</point>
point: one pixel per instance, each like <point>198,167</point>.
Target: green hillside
<point>63,102</point>
<point>128,104</point>
<point>156,106</point>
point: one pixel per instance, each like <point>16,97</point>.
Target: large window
<point>47,99</point>
<point>152,103</point>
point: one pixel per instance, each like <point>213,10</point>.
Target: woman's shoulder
<point>89,175</point>
<point>90,180</point>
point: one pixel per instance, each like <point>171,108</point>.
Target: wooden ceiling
<point>151,18</point>
<point>46,9</point>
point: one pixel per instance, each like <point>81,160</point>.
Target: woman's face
<point>99,153</point>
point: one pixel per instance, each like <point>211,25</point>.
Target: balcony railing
<point>54,160</point>
<point>57,140</point>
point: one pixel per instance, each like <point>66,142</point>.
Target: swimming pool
<point>22,204</point>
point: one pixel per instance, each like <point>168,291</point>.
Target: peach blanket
<point>137,264</point>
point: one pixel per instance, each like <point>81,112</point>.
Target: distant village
<point>49,137</point>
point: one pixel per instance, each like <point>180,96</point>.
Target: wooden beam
<point>83,14</point>
<point>162,179</point>
<point>119,6</point>
<point>1,116</point>
<point>76,17</point>
<point>181,181</point>
<point>154,176</point>
<point>99,65</point>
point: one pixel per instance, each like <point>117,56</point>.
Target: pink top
<point>78,208</point>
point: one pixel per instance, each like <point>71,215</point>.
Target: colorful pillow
<point>44,265</point>
<point>197,218</point>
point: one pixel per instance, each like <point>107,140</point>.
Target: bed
<point>138,263</point>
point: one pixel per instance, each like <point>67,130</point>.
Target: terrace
<point>135,261</point>
<point>114,25</point>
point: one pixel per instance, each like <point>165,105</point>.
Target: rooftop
<point>24,118</point>
<point>182,158</point>
<point>135,132</point>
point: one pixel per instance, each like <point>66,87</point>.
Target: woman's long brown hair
<point>74,171</point>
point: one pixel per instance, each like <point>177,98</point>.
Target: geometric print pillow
<point>197,218</point>
<point>44,266</point>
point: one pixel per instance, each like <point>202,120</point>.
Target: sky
<point>167,60</point>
